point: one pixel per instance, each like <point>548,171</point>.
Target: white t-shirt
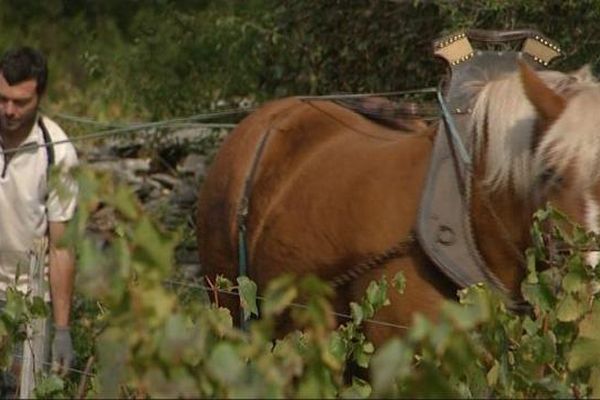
<point>26,204</point>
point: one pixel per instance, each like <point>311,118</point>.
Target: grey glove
<point>62,350</point>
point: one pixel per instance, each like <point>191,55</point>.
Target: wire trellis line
<point>196,117</point>
<point>108,132</point>
<point>292,304</point>
<point>49,364</point>
<point>119,128</point>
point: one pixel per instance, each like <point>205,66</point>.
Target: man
<point>29,209</point>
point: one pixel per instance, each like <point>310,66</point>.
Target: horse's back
<point>329,190</point>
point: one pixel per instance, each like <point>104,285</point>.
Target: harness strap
<point>242,215</point>
<point>398,250</point>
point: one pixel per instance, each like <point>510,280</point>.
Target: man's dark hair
<point>24,63</point>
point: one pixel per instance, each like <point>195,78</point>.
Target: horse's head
<point>536,137</point>
<point>566,145</point>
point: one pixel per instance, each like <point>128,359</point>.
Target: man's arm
<point>62,275</point>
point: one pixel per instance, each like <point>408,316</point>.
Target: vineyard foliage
<point>143,329</point>
<point>158,337</point>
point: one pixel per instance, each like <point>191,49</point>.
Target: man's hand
<point>62,350</point>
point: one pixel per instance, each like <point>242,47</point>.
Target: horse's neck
<point>501,226</point>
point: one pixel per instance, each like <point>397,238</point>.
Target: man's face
<point>18,105</point>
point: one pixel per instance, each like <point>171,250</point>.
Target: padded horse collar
<point>443,226</point>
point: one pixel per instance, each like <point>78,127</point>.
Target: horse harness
<point>444,228</point>
<point>443,225</point>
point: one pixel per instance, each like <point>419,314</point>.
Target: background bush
<point>163,58</point>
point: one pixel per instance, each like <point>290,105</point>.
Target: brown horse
<point>330,189</point>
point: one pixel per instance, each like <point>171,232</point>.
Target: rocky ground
<point>165,171</point>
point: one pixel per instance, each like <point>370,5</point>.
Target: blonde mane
<point>574,140</point>
<point>503,124</point>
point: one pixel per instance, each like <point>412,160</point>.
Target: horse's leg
<point>426,289</point>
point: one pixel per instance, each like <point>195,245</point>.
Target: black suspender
<point>48,145</point>
<point>47,141</point>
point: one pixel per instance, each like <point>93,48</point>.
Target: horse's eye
<point>550,178</point>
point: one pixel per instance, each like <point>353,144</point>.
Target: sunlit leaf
<point>377,293</point>
<point>399,282</point>
<point>357,313</point>
<point>570,309</point>
<point>493,374</point>
<point>575,280</point>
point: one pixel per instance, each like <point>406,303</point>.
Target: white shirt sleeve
<point>62,187</point>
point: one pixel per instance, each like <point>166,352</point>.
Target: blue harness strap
<point>242,216</point>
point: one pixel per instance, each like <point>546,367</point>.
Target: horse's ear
<point>546,101</point>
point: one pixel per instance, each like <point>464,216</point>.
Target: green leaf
<point>361,358</point>
<point>392,362</point>
<point>175,339</point>
<point>584,353</point>
<point>357,313</point>
<point>532,277</point>
<point>179,383</point>
<point>359,389</point>
<point>475,377</point>
<point>113,352</point>
<point>225,364</point>
<point>247,290</point>
<point>570,309</point>
<point>464,317</point>
<point>420,329</point>
<point>399,282</point>
<point>368,348</point>
<point>377,294</point>
<point>493,374</point>
<point>538,295</point>
<point>125,202</point>
<point>575,280</point>
<point>338,346</point>
<point>531,326</point>
<point>590,325</point>
<point>537,350</point>
<point>594,383</point>
<point>39,308</point>
<point>432,382</point>
<point>310,387</point>
<point>153,247</point>
<point>586,348</point>
<point>49,387</point>
<point>280,293</point>
<point>223,283</point>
